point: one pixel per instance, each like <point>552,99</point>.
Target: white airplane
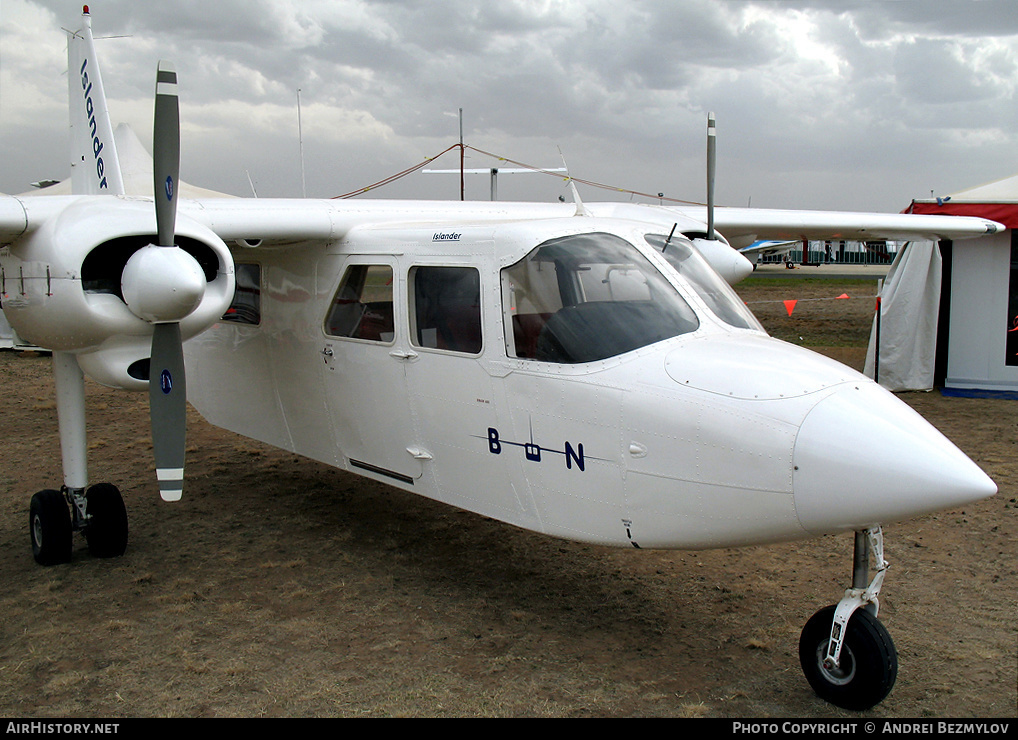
<point>575,369</point>
<point>768,248</point>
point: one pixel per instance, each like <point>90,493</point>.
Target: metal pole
<point>876,348</point>
<point>711,160</point>
<point>462,157</point>
<point>300,140</point>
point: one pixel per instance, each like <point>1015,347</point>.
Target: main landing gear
<point>98,512</point>
<point>846,653</point>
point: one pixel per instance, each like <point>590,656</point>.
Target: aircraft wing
<point>270,221</point>
<point>284,220</point>
<point>276,222</point>
<point>743,226</point>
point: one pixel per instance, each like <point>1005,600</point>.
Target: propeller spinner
<point>163,284</point>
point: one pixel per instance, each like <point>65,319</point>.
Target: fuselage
<point>583,377</point>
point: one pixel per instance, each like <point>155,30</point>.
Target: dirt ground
<point>280,587</point>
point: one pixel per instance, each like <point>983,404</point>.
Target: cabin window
<point>446,308</point>
<point>588,297</point>
<point>362,307</point>
<point>246,307</point>
<point>711,287</point>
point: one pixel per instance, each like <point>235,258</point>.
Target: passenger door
<point>455,399</point>
<point>364,356</point>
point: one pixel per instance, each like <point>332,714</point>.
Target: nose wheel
<point>868,665</point>
<point>846,654</point>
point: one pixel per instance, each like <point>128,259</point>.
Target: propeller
<point>163,284</point>
<point>711,161</point>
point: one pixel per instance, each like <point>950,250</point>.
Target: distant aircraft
<point>768,248</point>
<point>574,369</point>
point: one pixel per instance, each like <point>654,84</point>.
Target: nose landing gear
<point>847,655</point>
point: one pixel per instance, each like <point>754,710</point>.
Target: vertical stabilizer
<point>95,167</point>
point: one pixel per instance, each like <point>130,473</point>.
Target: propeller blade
<point>166,152</point>
<point>167,394</point>
<point>167,391</point>
<point>162,283</point>
<point>711,160</point>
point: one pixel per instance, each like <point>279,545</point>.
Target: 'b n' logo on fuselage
<point>534,451</point>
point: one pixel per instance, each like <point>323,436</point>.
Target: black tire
<point>106,532</point>
<point>869,662</point>
<point>50,524</point>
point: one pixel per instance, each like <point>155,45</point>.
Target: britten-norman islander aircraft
<point>580,370</point>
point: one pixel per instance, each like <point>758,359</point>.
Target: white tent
<point>903,341</point>
<point>136,169</point>
<point>979,306</point>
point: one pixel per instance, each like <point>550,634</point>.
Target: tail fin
<point>95,167</point>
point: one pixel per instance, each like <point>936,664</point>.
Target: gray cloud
<point>820,104</point>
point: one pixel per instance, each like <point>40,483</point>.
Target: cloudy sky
<point>844,105</point>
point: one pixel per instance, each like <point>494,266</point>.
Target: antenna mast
<point>463,189</point>
<point>300,143</point>
<point>711,160</point>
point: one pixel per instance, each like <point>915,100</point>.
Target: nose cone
<point>864,457</point>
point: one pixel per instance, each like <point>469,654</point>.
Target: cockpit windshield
<point>589,297</point>
<point>711,287</point>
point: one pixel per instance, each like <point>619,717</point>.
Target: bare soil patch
<point>280,587</point>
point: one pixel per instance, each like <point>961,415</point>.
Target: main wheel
<point>106,532</point>
<point>50,524</point>
<point>869,662</point>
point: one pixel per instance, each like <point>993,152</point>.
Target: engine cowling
<point>63,285</point>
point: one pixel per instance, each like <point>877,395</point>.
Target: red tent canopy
<point>997,201</point>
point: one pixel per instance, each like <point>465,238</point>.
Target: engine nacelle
<point>61,284</point>
<point>727,262</point>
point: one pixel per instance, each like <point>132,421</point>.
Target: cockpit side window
<point>711,287</point>
<point>588,297</point>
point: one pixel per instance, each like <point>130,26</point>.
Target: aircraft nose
<point>864,457</point>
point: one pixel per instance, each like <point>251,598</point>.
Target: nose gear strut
<point>861,594</point>
<point>847,655</point>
